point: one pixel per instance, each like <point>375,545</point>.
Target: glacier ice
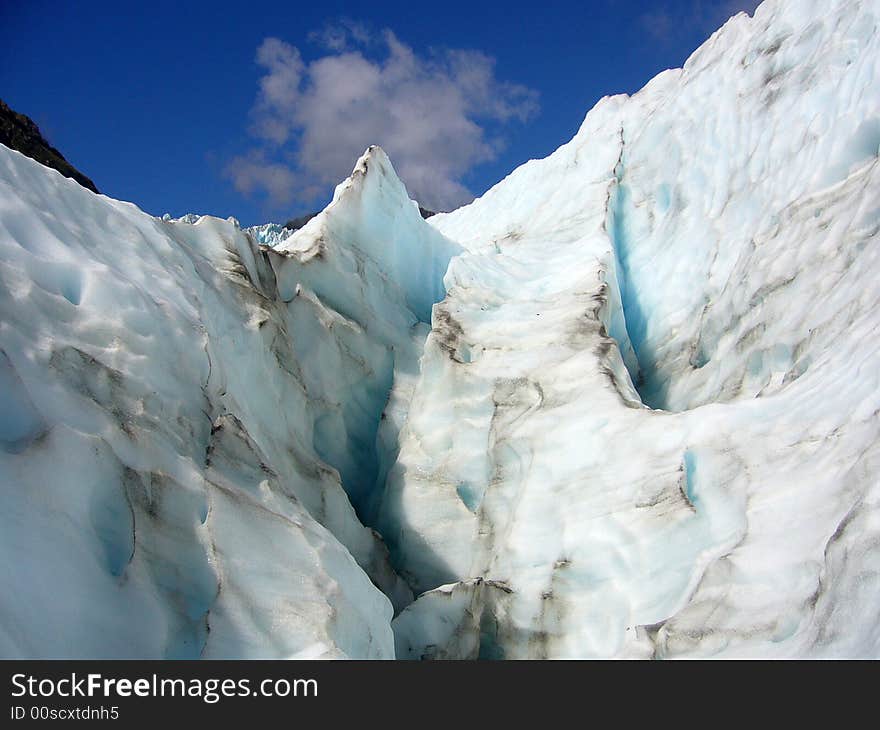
<point>647,418</point>
<point>184,410</point>
<point>625,404</point>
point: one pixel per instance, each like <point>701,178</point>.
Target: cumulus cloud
<point>343,35</point>
<point>436,115</point>
<point>254,172</point>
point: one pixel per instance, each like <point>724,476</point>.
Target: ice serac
<point>188,418</point>
<point>646,422</point>
<point>371,269</point>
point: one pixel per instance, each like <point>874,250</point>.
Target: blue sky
<point>256,110</point>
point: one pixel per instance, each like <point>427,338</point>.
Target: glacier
<point>625,404</point>
<point>181,473</point>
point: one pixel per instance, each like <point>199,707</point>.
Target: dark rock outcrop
<point>294,224</point>
<point>18,132</point>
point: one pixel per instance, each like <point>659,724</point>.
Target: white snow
<point>623,405</point>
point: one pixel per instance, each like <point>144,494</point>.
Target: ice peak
<point>372,215</point>
<point>373,170</point>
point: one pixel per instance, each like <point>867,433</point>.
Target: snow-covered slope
<point>721,226</point>
<point>624,404</point>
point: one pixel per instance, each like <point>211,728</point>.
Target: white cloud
<point>437,116</point>
<point>279,88</point>
<point>254,172</point>
<point>342,36</point>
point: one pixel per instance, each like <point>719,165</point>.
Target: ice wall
<point>187,419</point>
<point>707,248</point>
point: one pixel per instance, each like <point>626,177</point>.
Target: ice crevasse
<point>625,404</point>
